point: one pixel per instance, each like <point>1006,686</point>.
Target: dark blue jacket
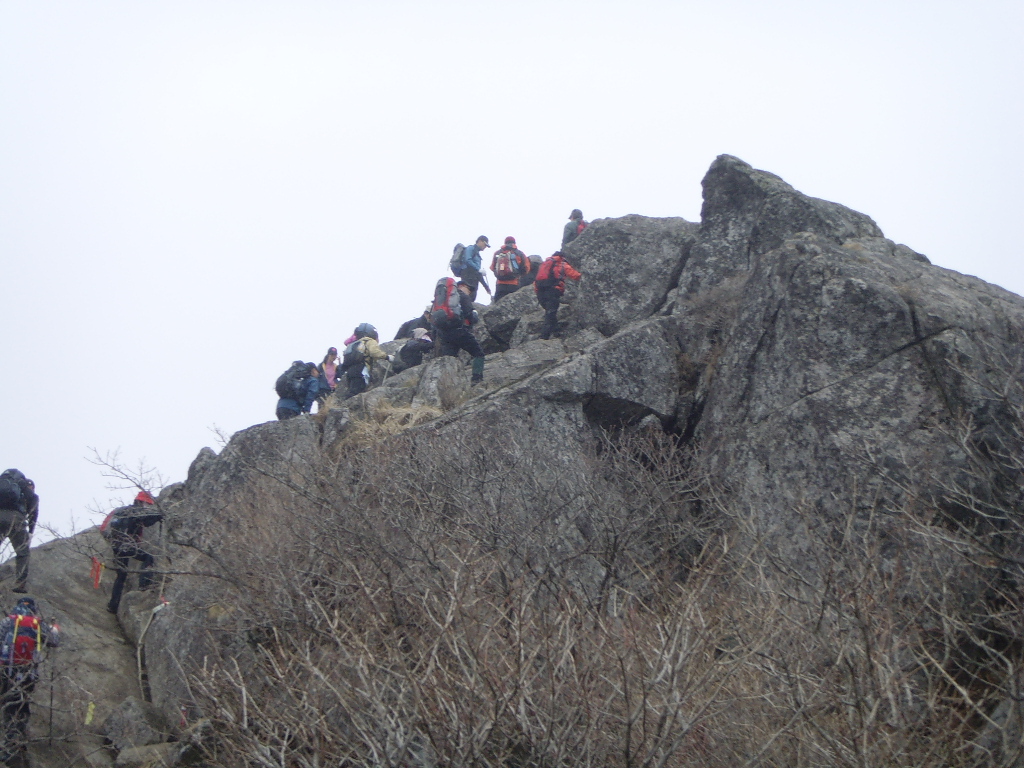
<point>311,388</point>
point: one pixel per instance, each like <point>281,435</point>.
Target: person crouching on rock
<point>124,528</point>
<point>550,285</point>
<point>23,634</point>
<point>415,348</point>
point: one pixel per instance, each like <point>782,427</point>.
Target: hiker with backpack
<point>415,348</point>
<point>529,277</point>
<point>550,285</point>
<point>359,357</point>
<point>574,228</point>
<point>467,265</point>
<point>297,388</point>
<point>508,264</point>
<point>123,528</point>
<point>405,330</point>
<point>19,511</point>
<point>453,316</point>
<point>24,635</point>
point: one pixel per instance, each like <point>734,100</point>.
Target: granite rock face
<point>814,364</point>
<point>630,265</point>
<point>747,213</point>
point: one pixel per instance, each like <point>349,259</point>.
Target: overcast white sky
<point>194,194</point>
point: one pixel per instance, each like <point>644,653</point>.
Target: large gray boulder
<point>748,212</point>
<point>629,265</point>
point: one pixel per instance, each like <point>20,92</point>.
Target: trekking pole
<point>50,736</point>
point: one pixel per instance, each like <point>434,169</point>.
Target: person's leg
<point>471,278</point>
<point>121,564</point>
<point>14,712</point>
<point>146,574</point>
<point>356,384</point>
<point>18,534</point>
<point>467,341</point>
<point>549,299</point>
<point>286,413</point>
<point>447,345</point>
<point>504,289</point>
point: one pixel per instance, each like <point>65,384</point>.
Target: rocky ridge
<point>823,372</point>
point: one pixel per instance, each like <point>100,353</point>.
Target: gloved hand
<point>391,358</point>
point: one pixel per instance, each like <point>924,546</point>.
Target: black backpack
<point>289,385</point>
<point>354,355</point>
<point>10,493</point>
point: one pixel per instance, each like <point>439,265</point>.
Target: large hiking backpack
<point>10,493</point>
<point>458,260</point>
<point>22,642</point>
<point>354,355</point>
<point>289,385</point>
<point>548,276</point>
<point>446,311</point>
<point>506,266</point>
<point>116,522</point>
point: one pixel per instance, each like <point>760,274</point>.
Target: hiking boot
<point>20,588</point>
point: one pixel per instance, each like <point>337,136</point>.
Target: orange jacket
<point>517,257</point>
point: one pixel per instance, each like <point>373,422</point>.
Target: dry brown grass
<point>386,420</point>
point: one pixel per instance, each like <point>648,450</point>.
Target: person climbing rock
<point>508,264</point>
<point>359,358</point>
<point>550,285</point>
<point>405,330</point>
<point>297,388</point>
<point>415,348</point>
<point>124,529</point>
<point>19,511</point>
<point>453,317</point>
<point>23,635</point>
<point>574,228</point>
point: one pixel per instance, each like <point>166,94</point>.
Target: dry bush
<point>386,420</point>
<point>475,606</point>
<point>715,310</point>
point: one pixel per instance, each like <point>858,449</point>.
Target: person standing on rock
<point>19,510</point>
<point>124,528</point>
<point>550,285</point>
<point>574,228</point>
<point>328,373</point>
<point>473,264</point>
<point>23,634</point>
<point>508,264</point>
<point>454,318</point>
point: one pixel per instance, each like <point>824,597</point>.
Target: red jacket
<point>559,268</point>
